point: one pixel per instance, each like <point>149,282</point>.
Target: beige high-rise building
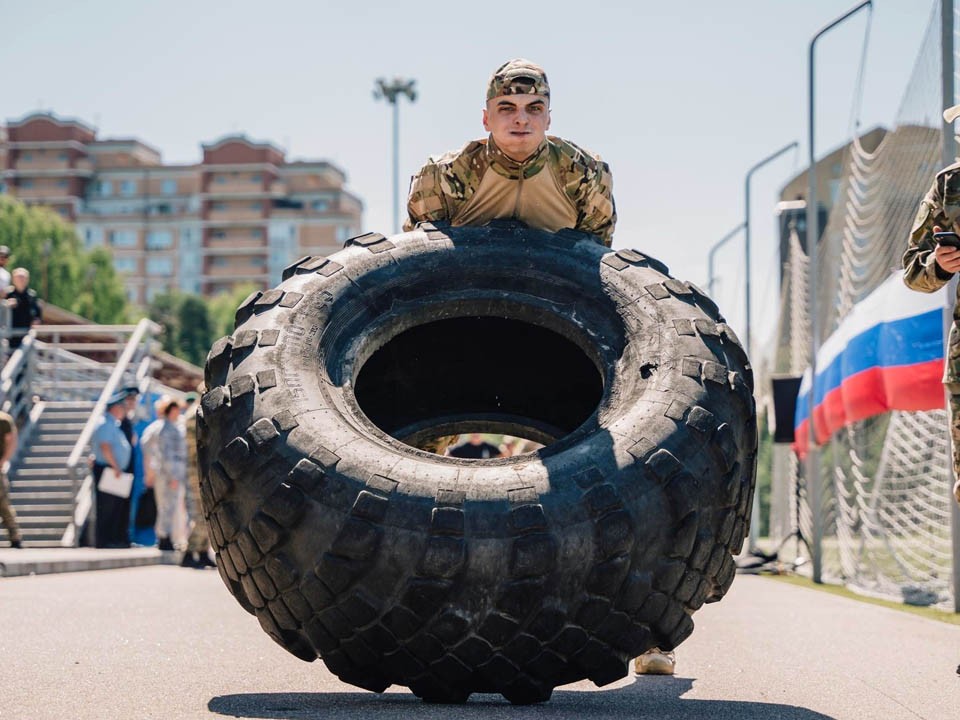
<point>239,216</point>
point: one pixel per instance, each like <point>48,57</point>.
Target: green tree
<point>98,298</point>
<point>163,311</point>
<point>194,330</point>
<point>223,308</point>
<point>61,271</point>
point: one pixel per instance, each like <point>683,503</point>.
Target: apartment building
<point>239,216</point>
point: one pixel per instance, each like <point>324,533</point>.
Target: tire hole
<point>478,375</point>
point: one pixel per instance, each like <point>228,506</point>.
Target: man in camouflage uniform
<point>517,171</point>
<point>197,554</point>
<point>928,266</point>
<point>520,172</point>
<point>8,443</point>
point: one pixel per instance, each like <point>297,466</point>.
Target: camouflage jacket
<point>559,186</point>
<point>940,207</point>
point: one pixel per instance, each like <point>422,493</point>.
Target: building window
<point>217,206</point>
<point>128,187</point>
<point>256,206</point>
<point>133,295</point>
<point>219,261</point>
<point>220,179</point>
<point>160,266</point>
<point>62,183</point>
<point>93,237</point>
<point>26,183</point>
<point>343,232</point>
<point>27,157</point>
<point>105,188</point>
<point>321,205</point>
<point>256,233</point>
<point>219,234</point>
<point>168,187</point>
<point>123,238</point>
<point>153,291</point>
<point>62,156</point>
<point>125,264</point>
<point>255,178</point>
<point>159,239</point>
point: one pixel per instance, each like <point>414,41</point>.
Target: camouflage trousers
<point>955,441</point>
<point>199,540</point>
<point>7,513</point>
<point>168,501</point>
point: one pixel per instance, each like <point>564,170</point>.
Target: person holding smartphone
<point>930,261</point>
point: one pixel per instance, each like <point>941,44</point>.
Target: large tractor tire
<point>449,576</point>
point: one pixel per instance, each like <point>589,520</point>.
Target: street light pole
<point>392,92</point>
<point>713,251</point>
<point>813,237</point>
<point>755,509</point>
<point>746,239</point>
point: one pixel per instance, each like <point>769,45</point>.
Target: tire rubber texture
<point>449,576</point>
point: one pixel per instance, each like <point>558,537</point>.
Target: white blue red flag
<point>887,354</point>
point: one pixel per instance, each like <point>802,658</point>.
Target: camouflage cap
<point>518,77</point>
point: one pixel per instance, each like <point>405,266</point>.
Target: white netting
<point>886,480</point>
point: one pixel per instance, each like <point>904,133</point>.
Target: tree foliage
<point>188,332</point>
<point>223,308</point>
<point>61,271</point>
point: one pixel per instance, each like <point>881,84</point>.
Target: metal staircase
<point>56,389</point>
<point>41,490</point>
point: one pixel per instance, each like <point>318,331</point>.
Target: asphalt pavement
<point>166,642</point>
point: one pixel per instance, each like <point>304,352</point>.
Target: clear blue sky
<point>680,98</point>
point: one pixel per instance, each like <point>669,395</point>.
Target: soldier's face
<point>518,123</point>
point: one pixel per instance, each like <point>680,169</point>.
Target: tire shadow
<point>648,697</point>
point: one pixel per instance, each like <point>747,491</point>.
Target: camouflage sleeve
<point>920,269</point>
<point>426,201</point>
<point>592,193</point>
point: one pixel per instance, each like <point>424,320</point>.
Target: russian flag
<point>887,354</point>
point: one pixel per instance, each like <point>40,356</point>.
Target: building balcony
<point>234,274</point>
<point>44,193</point>
<point>229,246</point>
<point>235,189</point>
<point>51,169</point>
<point>234,215</point>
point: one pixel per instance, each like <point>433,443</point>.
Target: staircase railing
<point>135,357</point>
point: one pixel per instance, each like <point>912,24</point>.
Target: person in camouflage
<point>197,554</point>
<point>8,444</point>
<point>518,171</point>
<point>928,266</point>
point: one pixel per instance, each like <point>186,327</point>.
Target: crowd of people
<point>156,500</point>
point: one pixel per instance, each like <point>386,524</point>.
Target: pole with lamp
<point>392,92</point>
<point>711,274</point>
<point>755,510</point>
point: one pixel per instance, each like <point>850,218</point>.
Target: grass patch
<point>925,612</point>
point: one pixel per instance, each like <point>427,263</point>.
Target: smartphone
<point>949,239</point>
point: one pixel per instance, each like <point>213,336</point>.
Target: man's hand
<point>947,257</point>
